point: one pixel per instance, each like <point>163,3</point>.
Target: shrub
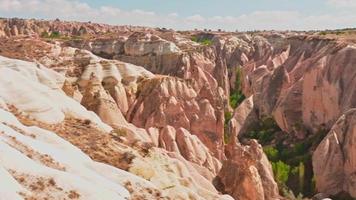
<point>203,41</point>
<point>271,153</point>
<point>281,172</point>
<point>301,173</point>
<point>45,34</point>
<point>55,34</point>
<point>194,39</point>
<point>87,122</point>
<point>290,195</point>
<point>236,95</point>
<point>228,117</point>
<point>300,148</point>
<point>120,132</point>
<point>206,42</point>
<point>264,130</point>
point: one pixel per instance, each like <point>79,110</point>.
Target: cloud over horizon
<point>255,20</point>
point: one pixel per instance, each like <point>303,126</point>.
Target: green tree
<point>203,41</point>
<point>236,95</point>
<point>55,34</point>
<point>281,172</point>
<point>271,153</point>
<point>228,117</point>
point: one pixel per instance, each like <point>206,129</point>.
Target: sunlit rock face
<point>166,101</point>
<point>144,110</point>
<point>334,159</point>
<point>63,155</point>
<point>247,174</point>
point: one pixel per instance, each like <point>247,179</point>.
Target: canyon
<point>95,111</point>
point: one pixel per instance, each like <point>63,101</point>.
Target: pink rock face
<point>118,93</point>
<point>334,161</point>
<point>167,101</point>
<point>329,88</point>
<point>288,110</point>
<point>247,175</point>
<point>190,147</point>
<point>95,98</point>
<point>16,27</point>
<point>242,118</point>
<point>167,139</point>
<point>304,83</point>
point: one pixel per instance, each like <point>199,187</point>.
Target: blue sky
<point>215,7</point>
<point>190,14</point>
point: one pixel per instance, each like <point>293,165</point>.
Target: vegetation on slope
<point>290,158</point>
<point>228,117</point>
<point>55,35</point>
<point>236,95</point>
<point>235,99</point>
<point>203,41</point>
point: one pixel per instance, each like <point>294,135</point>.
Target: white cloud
<point>10,5</point>
<point>278,20</point>
<point>173,15</point>
<point>342,3</point>
<point>195,19</point>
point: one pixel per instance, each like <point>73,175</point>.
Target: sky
<point>228,15</point>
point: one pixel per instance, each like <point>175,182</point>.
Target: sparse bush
<point>291,160</point>
<point>271,153</point>
<point>290,195</point>
<point>228,117</point>
<point>195,39</point>
<point>301,173</point>
<point>120,132</point>
<point>203,41</point>
<point>264,130</point>
<point>300,148</point>
<point>281,172</point>
<point>44,34</point>
<point>236,95</point>
<point>87,122</point>
<point>55,34</point>
<point>206,42</point>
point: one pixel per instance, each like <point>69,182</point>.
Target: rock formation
<point>147,110</point>
<point>334,159</point>
<point>28,133</point>
<point>247,174</point>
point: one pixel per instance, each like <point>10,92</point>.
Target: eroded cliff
<point>175,114</point>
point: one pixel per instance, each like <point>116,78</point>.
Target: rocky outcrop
<point>329,94</point>
<point>303,82</point>
<point>25,27</point>
<point>191,148</point>
<point>291,82</point>
<point>96,99</point>
<point>247,174</point>
<point>183,117</point>
<point>242,118</point>
<point>334,161</point>
<point>141,44</point>
<point>114,89</point>
<point>151,173</point>
<point>36,163</point>
<point>172,101</point>
<point>39,88</point>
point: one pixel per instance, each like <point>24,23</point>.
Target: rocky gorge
<point>154,113</point>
